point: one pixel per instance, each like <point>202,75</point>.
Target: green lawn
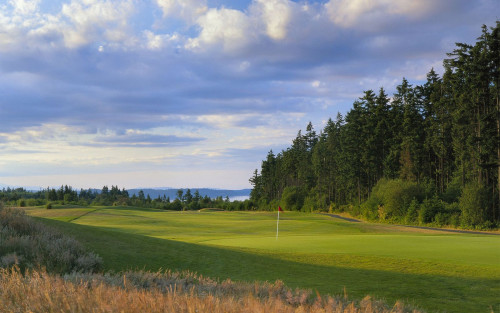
<point>436,271</point>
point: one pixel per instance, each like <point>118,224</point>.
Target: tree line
<point>184,200</point>
<point>428,154</point>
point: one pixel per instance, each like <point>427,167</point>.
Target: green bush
<point>293,198</point>
<point>453,191</point>
<point>429,209</point>
<point>48,206</point>
<point>412,213</point>
<point>473,204</point>
<point>391,198</point>
<point>21,203</point>
<point>370,207</point>
<point>315,202</point>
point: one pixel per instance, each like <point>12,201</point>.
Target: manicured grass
<point>433,270</point>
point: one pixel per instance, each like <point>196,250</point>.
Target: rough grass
<point>433,270</point>
<point>37,291</point>
<point>28,244</point>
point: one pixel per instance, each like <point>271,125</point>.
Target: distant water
<point>239,198</point>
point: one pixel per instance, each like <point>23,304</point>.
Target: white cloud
<point>234,30</point>
<point>92,20</point>
<point>316,84</point>
<point>159,41</point>
<point>25,7</point>
<point>372,13</point>
<point>276,15</point>
<point>189,10</point>
<point>230,28</point>
<point>78,23</point>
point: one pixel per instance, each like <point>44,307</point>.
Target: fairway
<point>436,271</point>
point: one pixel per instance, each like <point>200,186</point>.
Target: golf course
<point>431,270</point>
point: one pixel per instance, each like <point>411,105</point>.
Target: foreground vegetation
<point>29,245</point>
<point>26,286</point>
<point>29,293</point>
<point>431,270</point>
<point>428,154</point>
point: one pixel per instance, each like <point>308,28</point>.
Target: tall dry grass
<point>29,244</point>
<point>38,291</point>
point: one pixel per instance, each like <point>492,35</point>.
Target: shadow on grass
<point>122,251</point>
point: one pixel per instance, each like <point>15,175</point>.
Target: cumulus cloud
<point>229,28</point>
<point>91,20</point>
<point>78,23</point>
<point>189,10</point>
<point>276,15</point>
<point>25,7</point>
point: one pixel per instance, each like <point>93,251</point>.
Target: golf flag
<point>278,221</point>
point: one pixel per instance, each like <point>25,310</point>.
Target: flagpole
<point>277,224</point>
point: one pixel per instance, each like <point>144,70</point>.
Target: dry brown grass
<point>29,244</point>
<point>38,291</point>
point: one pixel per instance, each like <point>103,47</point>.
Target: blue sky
<point>195,93</point>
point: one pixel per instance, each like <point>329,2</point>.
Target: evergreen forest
<point>429,154</point>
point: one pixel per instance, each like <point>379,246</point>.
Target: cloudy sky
<point>194,93</point>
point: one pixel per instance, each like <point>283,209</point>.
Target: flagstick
<point>277,224</point>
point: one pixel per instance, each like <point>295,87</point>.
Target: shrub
<point>34,202</point>
<point>442,218</point>
<point>428,210</point>
<point>48,206</point>
<point>412,213</point>
<point>293,198</point>
<point>453,191</point>
<point>315,202</point>
<point>473,204</point>
<point>21,203</point>
<point>391,198</point>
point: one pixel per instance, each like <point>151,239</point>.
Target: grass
<point>433,270</point>
<point>40,292</point>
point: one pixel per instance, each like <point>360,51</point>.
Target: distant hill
<point>212,193</point>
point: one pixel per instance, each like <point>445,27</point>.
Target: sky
<point>194,93</point>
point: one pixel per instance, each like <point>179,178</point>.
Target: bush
<point>48,206</point>
<point>473,204</point>
<point>412,213</point>
<point>315,202</point>
<point>293,198</point>
<point>34,202</point>
<point>391,199</point>
<point>453,191</point>
<point>429,209</point>
<point>21,203</point>
<point>442,219</point>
